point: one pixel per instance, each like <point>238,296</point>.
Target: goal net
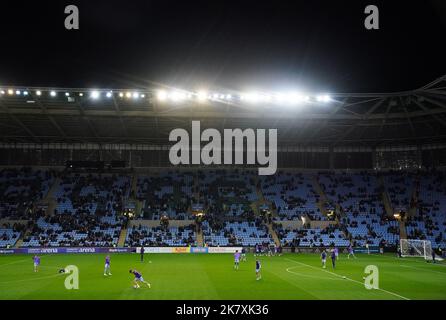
<point>416,248</point>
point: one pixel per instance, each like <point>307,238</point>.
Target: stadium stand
<point>227,192</point>
<point>20,189</point>
<point>236,233</point>
<point>8,237</point>
<point>161,237</point>
<point>292,194</point>
<point>166,194</point>
<point>86,212</point>
<point>90,205</point>
<point>429,223</point>
<point>399,187</point>
<point>363,215</point>
<point>330,236</point>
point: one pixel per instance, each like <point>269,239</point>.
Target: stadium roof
<point>85,115</point>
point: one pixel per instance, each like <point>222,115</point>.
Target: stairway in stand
<point>19,242</point>
<point>403,232</point>
<point>386,199</point>
<point>273,234</point>
<point>50,199</point>
<point>200,237</point>
<point>322,197</point>
<point>122,237</point>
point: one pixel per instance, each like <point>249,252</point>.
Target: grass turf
<point>211,276</point>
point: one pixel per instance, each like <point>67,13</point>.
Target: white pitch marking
<point>337,275</point>
<point>421,269</point>
<point>31,279</point>
<point>308,276</point>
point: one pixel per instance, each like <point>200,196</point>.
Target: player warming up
<point>36,260</point>
<point>142,254</point>
<point>138,278</point>
<point>351,252</point>
<point>243,254</point>
<point>333,259</point>
<point>236,259</point>
<point>258,266</point>
<point>324,258</point>
<point>107,271</point>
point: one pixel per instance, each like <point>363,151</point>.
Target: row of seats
<point>158,236</point>
<point>292,194</point>
<point>236,233</point>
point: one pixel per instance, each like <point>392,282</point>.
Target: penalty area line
<point>352,280</point>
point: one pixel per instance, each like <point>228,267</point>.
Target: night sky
<point>316,45</point>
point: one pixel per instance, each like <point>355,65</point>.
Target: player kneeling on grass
<point>258,266</point>
<point>324,258</point>
<point>107,271</point>
<point>36,260</point>
<point>236,259</point>
<point>138,278</point>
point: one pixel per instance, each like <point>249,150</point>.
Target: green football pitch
<point>211,276</point>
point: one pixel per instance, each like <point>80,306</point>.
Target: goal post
<point>416,248</point>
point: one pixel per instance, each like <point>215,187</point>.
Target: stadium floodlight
<point>121,95</point>
<point>280,97</point>
<point>143,95</point>
<point>17,92</point>
<point>2,92</point>
<point>215,96</point>
<point>252,97</point>
<point>228,97</point>
<point>202,95</point>
<point>295,98</point>
<point>177,96</point>
<point>81,94</point>
<point>135,95</point>
<point>109,94</point>
<point>10,91</point>
<point>67,94</point>
<point>128,94</point>
<point>25,93</point>
<point>161,95</point>
<point>53,93</point>
<point>323,98</point>
<point>94,94</point>
<point>38,92</point>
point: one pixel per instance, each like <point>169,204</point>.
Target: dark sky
<point>316,45</point>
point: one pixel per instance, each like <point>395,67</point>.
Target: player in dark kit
<point>333,259</point>
<point>258,266</point>
<point>324,258</point>
<point>142,254</point>
<point>243,254</point>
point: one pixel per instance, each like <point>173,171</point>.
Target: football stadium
<point>161,191</point>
